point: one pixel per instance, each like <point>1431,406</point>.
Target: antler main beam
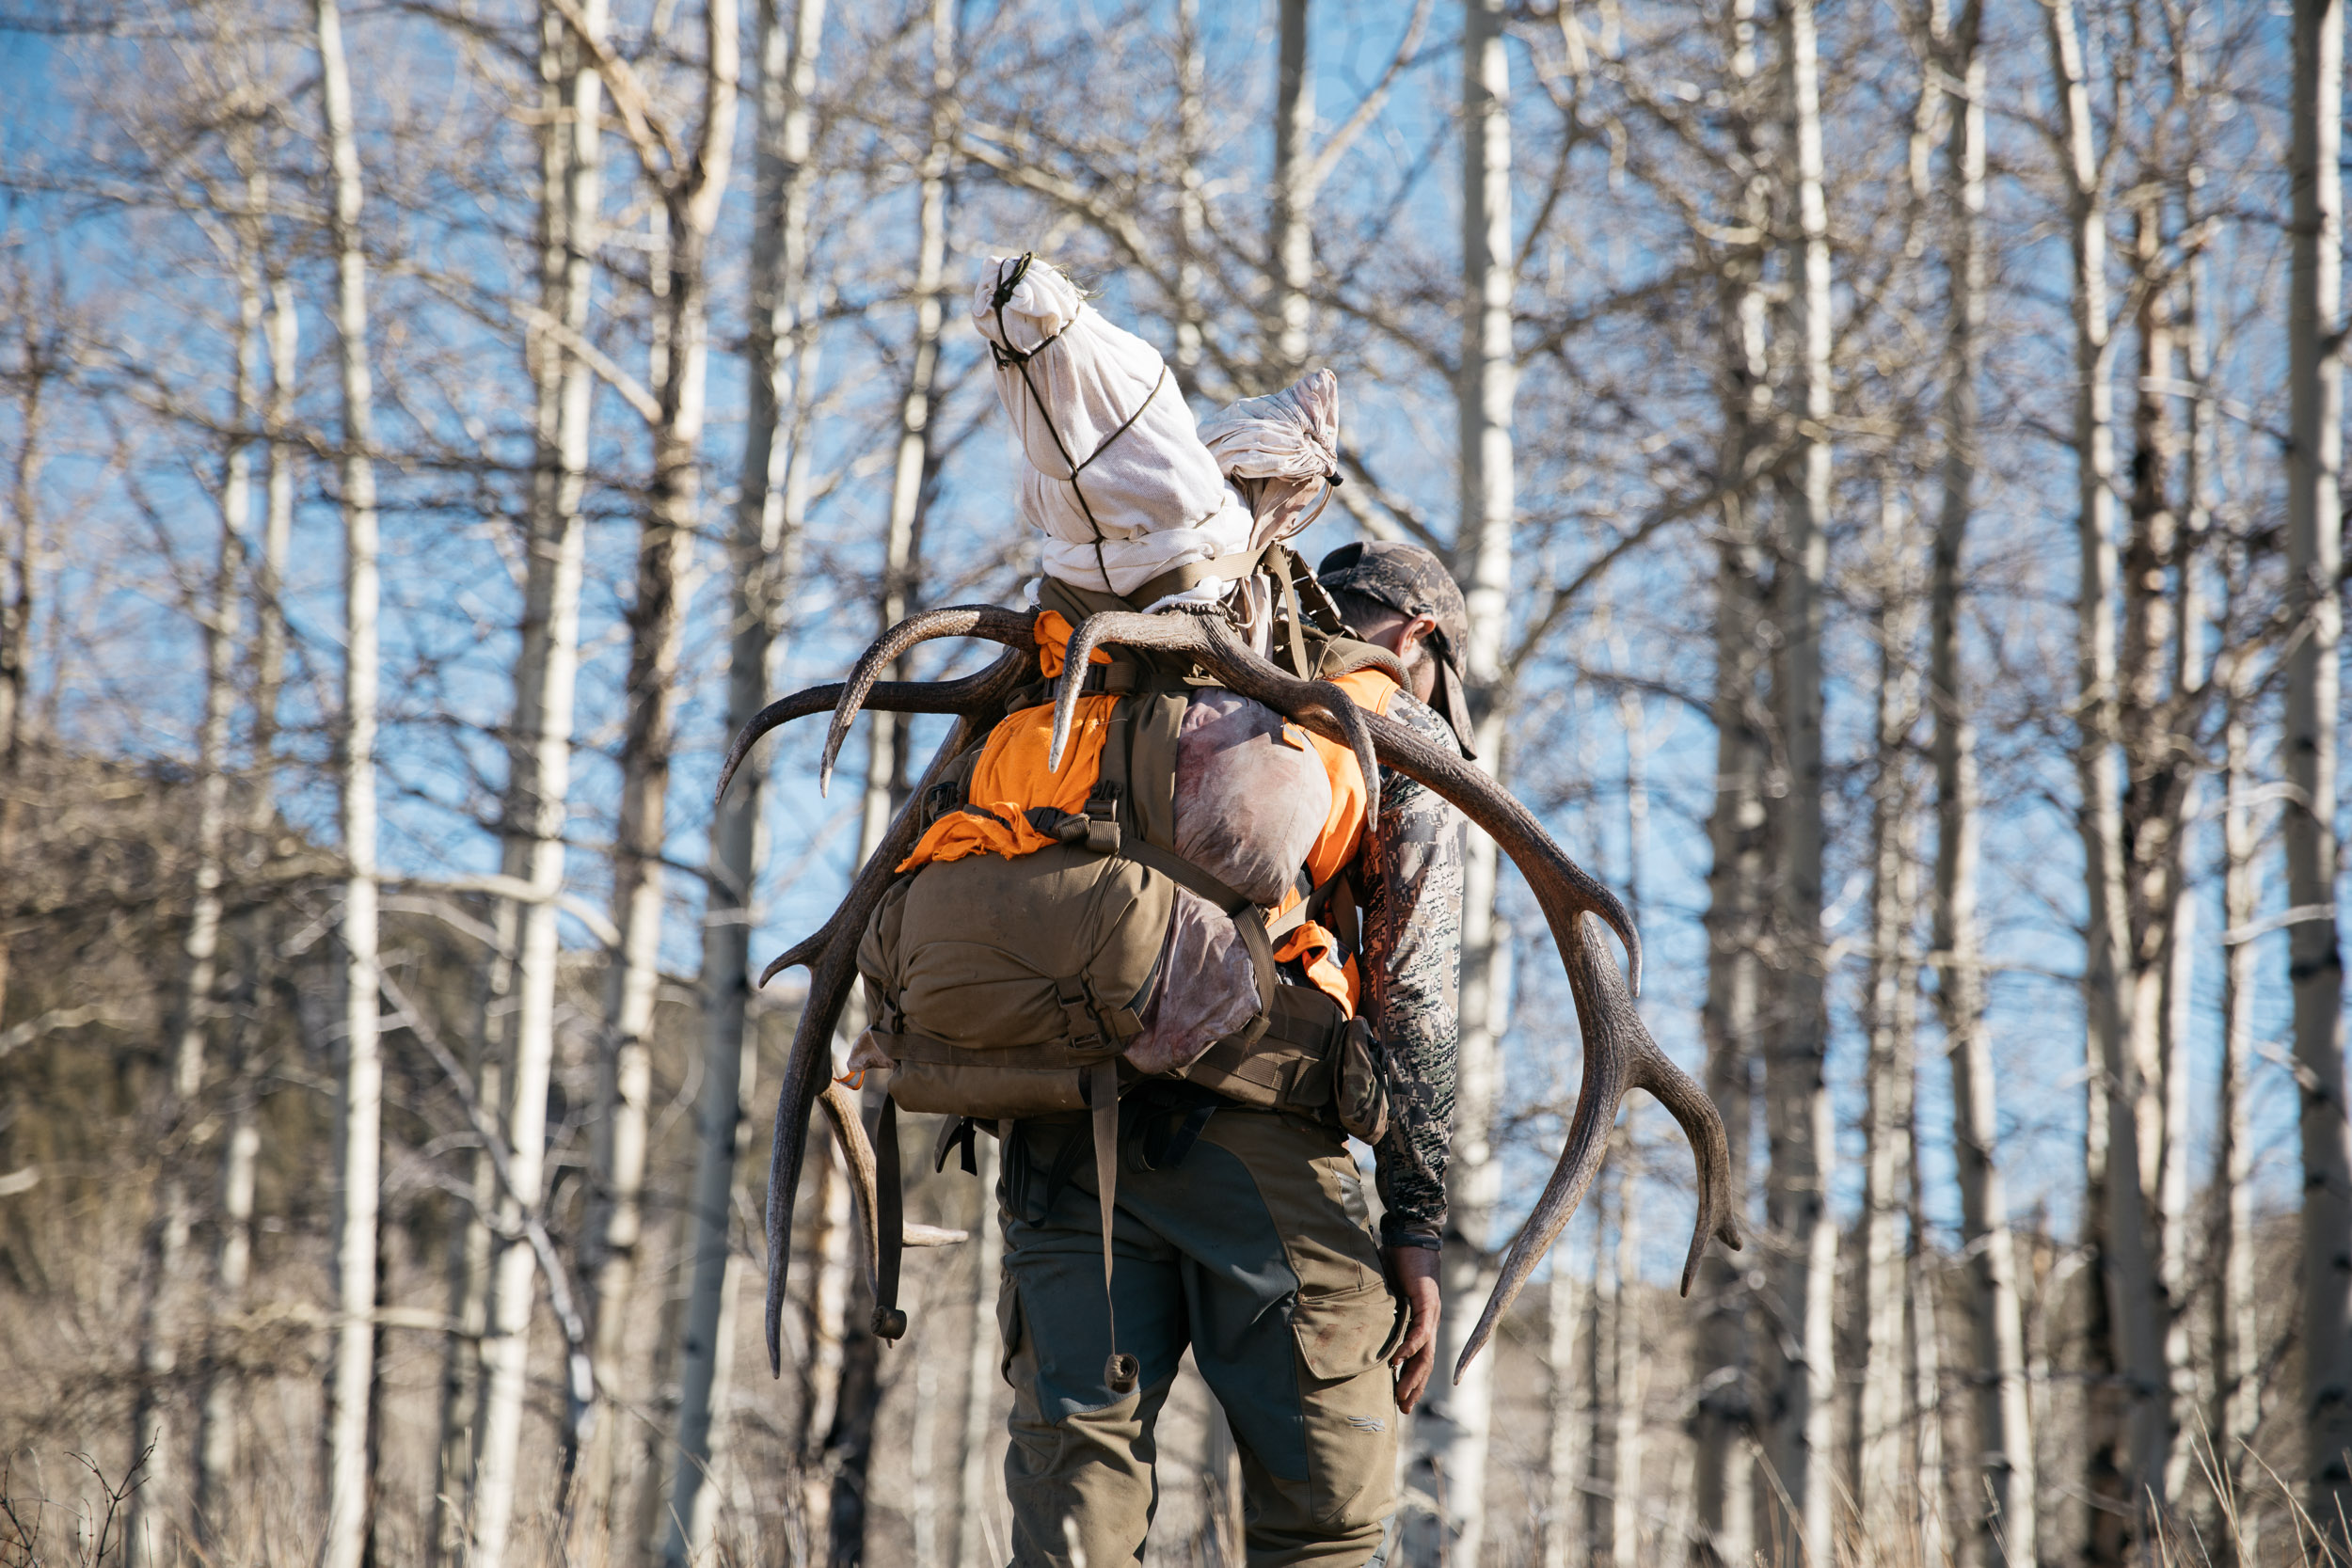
<point>1620,1055</point>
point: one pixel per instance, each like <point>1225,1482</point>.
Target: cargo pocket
<point>1348,1400</point>
<point>1342,1334</point>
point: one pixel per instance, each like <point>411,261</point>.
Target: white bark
<point>922,1459</point>
<point>886,759</point>
<point>269,610</point>
<point>1629,1376</point>
<point>539,760</point>
<point>829,1254</point>
<point>1877,1466</point>
<point>1722,1474</point>
<point>2314,560</point>
<point>1191,196</point>
<point>2002,1495</point>
<point>162,1320</point>
<point>1221,1527</point>
<point>1564,1446</point>
<point>1923,1393</point>
<point>2229,1254</point>
<point>215,1444</point>
<point>359,1106</point>
<point>974,1488</point>
<point>1446,1464</point>
<point>1291,272</point>
<point>1802,1241</point>
<point>2123,1243</point>
<point>769,511</point>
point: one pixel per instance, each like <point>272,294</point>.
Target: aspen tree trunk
<point>1220,1489</point>
<point>2125,1422</point>
<point>1877,1478</point>
<point>922,1486</point>
<point>16,596</point>
<point>830,1293</point>
<point>886,763</point>
<point>283,335</point>
<point>1564,1448</point>
<point>221,1418</point>
<point>847,1440</point>
<point>1804,1241</point>
<point>167,1302</point>
<point>1923,1386</point>
<point>974,1488</point>
<point>1600,1429</point>
<point>1289,313</point>
<point>539,758</point>
<point>771,508</point>
<point>1628,1378</point>
<point>214,1445</point>
<point>350,1483</point>
<point>2229,1254</point>
<point>2160,803</point>
<point>16,623</point>
<point>232,1263</point>
<point>1447,1461</point>
<point>2178,948</point>
<point>2229,1283</point>
<point>2314,560</point>
<point>1738,833</point>
<point>2002,1506</point>
<point>1192,211</point>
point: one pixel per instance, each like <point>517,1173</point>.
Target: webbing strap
<point>1192,574</point>
<point>1307,908</point>
<point>890,1229</point>
<point>1120,1371</point>
<point>1282,560</point>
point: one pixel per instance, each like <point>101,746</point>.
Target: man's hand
<point>1414,1270</point>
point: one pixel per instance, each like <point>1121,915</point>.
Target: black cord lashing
<point>1004,353</point>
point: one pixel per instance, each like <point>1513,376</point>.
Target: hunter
<point>1242,1233</point>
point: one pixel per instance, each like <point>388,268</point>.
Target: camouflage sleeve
<point>1412,962</point>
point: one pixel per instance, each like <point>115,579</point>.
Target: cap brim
<point>1453,702</point>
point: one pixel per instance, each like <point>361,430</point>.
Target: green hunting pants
<point>1254,1251</point>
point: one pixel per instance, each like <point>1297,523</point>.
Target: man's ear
<point>1409,638</point>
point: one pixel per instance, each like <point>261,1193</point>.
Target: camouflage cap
<point>1412,581</point>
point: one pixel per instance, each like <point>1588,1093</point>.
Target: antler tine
<point>831,957</point>
<point>1110,625</point>
<point>956,696</point>
<point>1346,712</point>
<point>857,1153</point>
<point>1008,626</point>
<point>1619,1057</point>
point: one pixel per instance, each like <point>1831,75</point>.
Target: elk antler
<point>1013,628</point>
<point>1620,1055</point>
<point>831,953</point>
